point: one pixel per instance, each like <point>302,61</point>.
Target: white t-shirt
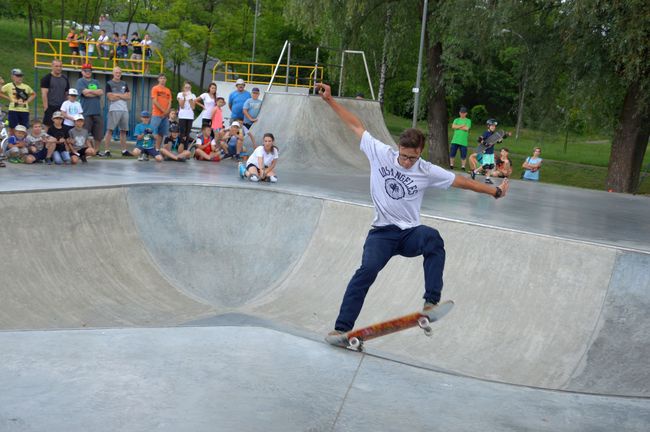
<point>209,104</point>
<point>267,158</point>
<point>397,192</point>
<point>71,108</point>
<point>104,38</point>
<point>186,112</point>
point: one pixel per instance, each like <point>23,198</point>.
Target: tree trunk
<point>630,142</point>
<point>437,104</point>
<point>384,56</point>
<point>30,18</point>
<point>205,53</point>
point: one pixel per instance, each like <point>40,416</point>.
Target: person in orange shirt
<point>161,98</point>
<point>73,43</point>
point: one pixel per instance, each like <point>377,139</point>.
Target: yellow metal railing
<point>46,50</point>
<point>261,73</point>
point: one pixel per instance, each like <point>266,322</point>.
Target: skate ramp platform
<point>312,137</point>
<point>543,312</point>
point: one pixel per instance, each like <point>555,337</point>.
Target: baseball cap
<point>57,114</point>
<point>255,90</point>
<point>145,114</point>
<point>17,72</point>
<point>73,92</point>
<point>20,128</point>
<point>86,66</point>
<point>78,117</point>
<point>235,123</point>
<point>240,81</point>
<point>463,109</point>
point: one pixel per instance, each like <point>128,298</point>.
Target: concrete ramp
<point>540,311</point>
<point>311,136</point>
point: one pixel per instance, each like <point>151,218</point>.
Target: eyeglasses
<point>405,158</point>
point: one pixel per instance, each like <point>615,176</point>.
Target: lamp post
<point>522,85</point>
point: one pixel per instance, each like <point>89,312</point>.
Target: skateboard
<point>496,137</point>
<point>355,338</point>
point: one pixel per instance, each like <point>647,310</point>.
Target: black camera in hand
<point>148,131</point>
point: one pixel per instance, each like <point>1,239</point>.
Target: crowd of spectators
<point>72,129</point>
<point>132,52</point>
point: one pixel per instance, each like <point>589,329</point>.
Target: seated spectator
<point>174,148</point>
<point>206,146</point>
<point>532,165</point>
<point>59,132</point>
<point>503,167</point>
<point>80,141</point>
<point>145,145</point>
<point>217,116</point>
<point>173,119</point>
<point>39,144</point>
<point>17,145</point>
<point>261,163</point>
<point>71,108</point>
<point>232,141</point>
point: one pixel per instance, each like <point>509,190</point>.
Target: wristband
<point>498,193</point>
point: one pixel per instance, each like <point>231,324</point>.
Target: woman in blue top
<point>532,165</point>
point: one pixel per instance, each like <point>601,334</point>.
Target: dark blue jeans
<point>383,243</point>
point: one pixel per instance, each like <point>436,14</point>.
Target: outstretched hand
<point>324,90</point>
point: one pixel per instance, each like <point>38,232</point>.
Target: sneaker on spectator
<point>126,153</point>
<point>83,158</point>
<point>141,157</point>
<point>242,170</point>
<point>107,153</point>
<point>472,174</point>
<point>254,178</point>
<point>488,181</point>
<point>48,161</point>
<point>146,157</point>
<point>181,159</point>
<point>273,179</point>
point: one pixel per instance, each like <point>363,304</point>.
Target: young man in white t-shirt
<point>398,179</point>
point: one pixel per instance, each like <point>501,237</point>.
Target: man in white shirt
<point>398,179</point>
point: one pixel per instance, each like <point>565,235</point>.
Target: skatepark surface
<point>143,296</point>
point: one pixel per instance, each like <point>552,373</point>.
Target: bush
<point>478,114</point>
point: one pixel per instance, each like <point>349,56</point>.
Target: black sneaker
<point>126,153</point>
<point>48,161</point>
<point>83,158</point>
<point>462,169</point>
<point>488,181</point>
<point>451,167</point>
<point>472,174</point>
<point>107,154</point>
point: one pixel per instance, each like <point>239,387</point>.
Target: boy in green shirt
<point>461,127</point>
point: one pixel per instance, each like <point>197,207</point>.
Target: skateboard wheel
<point>355,343</point>
<point>423,322</point>
<point>428,331</point>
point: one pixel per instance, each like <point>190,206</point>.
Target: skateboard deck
<point>355,338</point>
<point>496,137</point>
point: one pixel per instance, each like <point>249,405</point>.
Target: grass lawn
<point>583,165</point>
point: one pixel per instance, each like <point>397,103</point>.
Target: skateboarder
<point>398,179</point>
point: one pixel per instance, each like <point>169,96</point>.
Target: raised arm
<point>346,116</point>
<point>465,183</point>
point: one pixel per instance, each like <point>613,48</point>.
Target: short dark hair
<point>411,138</point>
<point>506,149</point>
